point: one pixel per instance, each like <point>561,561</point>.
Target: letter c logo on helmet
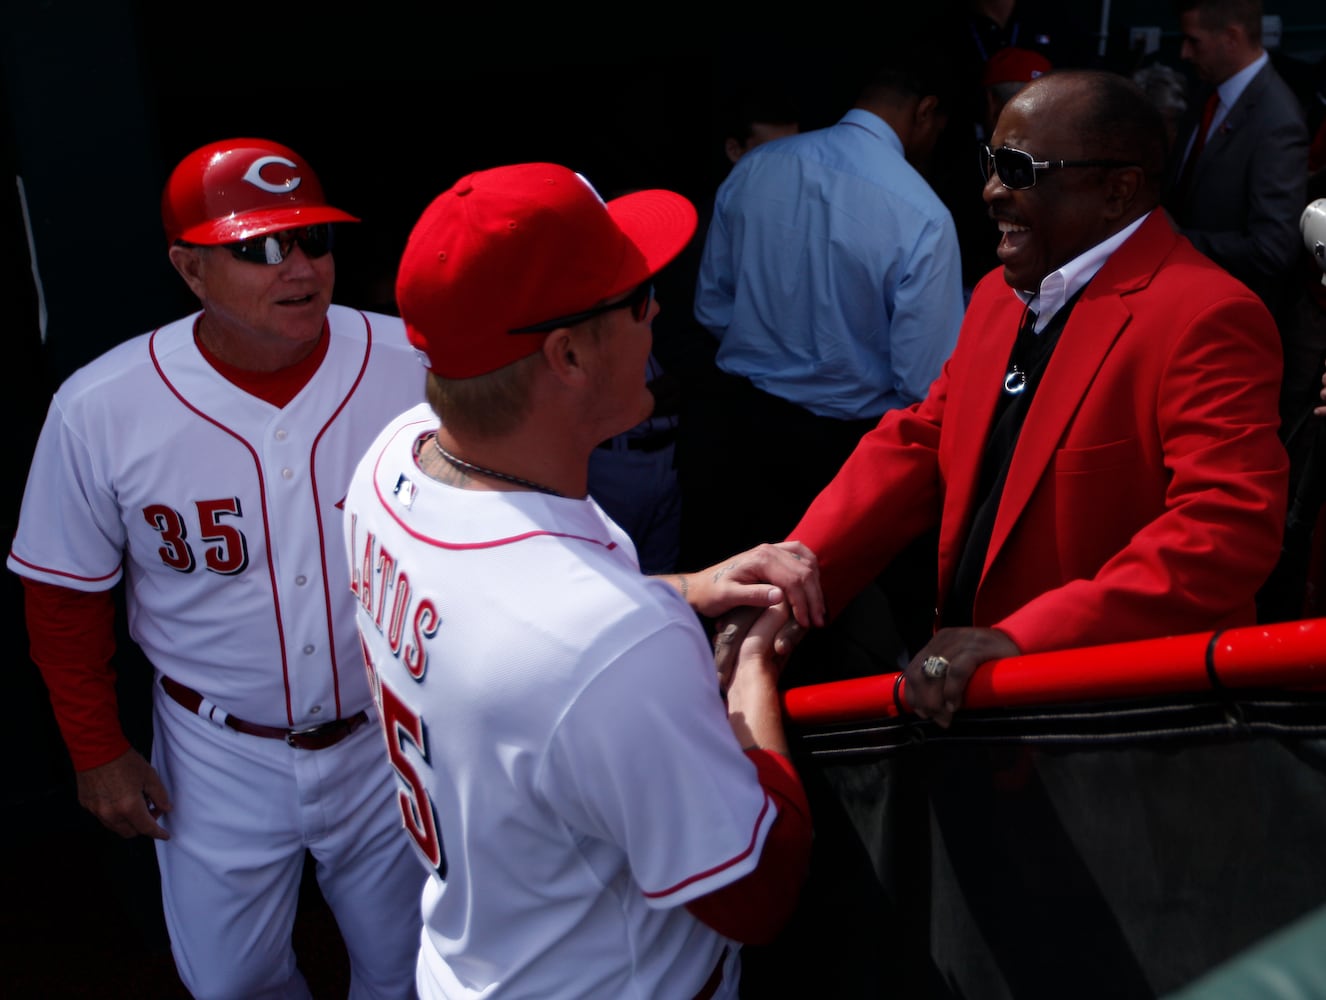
<point>254,175</point>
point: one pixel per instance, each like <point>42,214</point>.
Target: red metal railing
<point>1287,655</point>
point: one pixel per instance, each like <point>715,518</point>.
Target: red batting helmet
<point>230,190</point>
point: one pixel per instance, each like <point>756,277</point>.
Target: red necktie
<point>1198,142</point>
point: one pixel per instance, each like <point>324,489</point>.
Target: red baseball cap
<point>519,245</point>
<point>1014,65</point>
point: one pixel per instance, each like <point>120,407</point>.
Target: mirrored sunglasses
<point>1017,170</point>
<point>273,248</point>
<point>638,302</point>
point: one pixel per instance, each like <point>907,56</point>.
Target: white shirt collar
<point>1061,285</point>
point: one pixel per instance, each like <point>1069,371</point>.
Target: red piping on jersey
<point>266,527</point>
<point>460,546</point>
<point>67,576</point>
<point>317,507</point>
<point>764,810</point>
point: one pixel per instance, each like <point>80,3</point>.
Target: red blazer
<point>1147,491</point>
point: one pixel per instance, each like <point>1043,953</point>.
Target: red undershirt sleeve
<point>754,909</point>
<point>72,639</point>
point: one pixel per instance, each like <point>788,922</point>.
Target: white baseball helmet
<point>1312,224</point>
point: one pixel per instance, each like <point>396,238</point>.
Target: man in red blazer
<point>1100,451</point>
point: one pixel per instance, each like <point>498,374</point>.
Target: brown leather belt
<point>317,737</point>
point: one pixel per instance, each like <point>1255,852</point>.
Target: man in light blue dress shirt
<point>831,278</point>
<point>830,273</point>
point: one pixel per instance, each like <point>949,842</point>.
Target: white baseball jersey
<point>223,512</point>
<point>152,465</point>
<point>565,764</point>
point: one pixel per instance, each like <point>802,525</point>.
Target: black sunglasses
<point>1017,170</point>
<point>638,302</point>
<point>273,248</point>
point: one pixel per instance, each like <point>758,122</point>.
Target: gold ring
<point>934,667</point>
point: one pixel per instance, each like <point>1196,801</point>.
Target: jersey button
<point>308,650</point>
<point>281,435</point>
<point>287,473</point>
<point>300,581</point>
<point>315,710</point>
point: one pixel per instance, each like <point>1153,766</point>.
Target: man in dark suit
<point>1241,166</point>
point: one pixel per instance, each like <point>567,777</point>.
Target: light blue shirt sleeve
<point>927,311</point>
<point>714,287</point>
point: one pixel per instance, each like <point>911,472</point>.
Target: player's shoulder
<point>127,360</point>
<point>382,329</point>
<point>627,609</point>
<point>413,421</point>
<point>405,426</point>
<point>380,340</point>
<point>637,635</point>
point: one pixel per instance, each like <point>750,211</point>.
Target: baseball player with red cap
<point>1013,65</point>
<point>206,463</point>
<point>568,771</point>
<point>1005,73</point>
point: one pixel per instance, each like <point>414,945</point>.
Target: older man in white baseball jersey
<point>206,462</point>
<point>568,771</point>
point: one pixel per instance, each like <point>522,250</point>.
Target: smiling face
<point>1066,212</point>
<point>258,316</point>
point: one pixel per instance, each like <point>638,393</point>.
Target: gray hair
<point>1165,87</point>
